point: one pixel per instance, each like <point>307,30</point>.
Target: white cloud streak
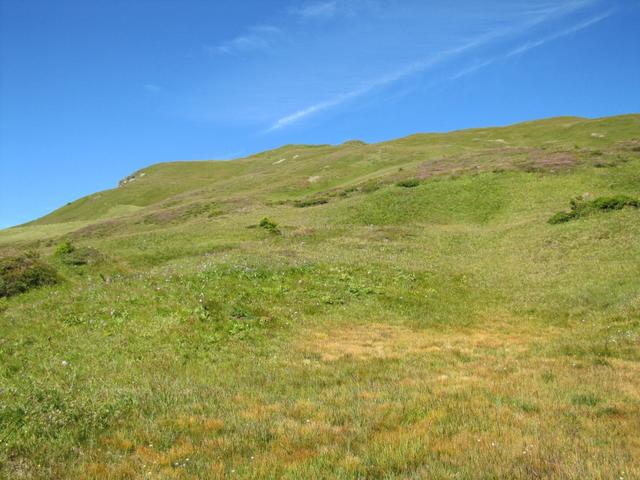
<point>531,45</point>
<point>316,10</point>
<point>377,83</point>
<point>262,37</point>
<point>563,33</point>
<point>425,64</point>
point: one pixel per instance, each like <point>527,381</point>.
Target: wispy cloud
<point>316,10</point>
<point>563,33</point>
<point>379,82</point>
<point>262,37</point>
<point>535,18</point>
<point>531,45</point>
<point>323,10</point>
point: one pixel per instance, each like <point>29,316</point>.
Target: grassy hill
<point>405,311</point>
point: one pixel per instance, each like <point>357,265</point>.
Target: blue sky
<point>93,90</point>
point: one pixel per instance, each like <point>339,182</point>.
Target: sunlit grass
<point>440,331</point>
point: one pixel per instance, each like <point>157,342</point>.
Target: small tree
<point>269,225</point>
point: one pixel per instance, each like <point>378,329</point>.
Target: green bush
<point>581,207</point>
<point>22,273</point>
<point>410,183</point>
<point>69,254</point>
<point>269,225</point>
<point>614,203</point>
<point>64,248</point>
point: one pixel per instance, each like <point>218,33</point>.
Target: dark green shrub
<point>269,225</point>
<point>69,254</point>
<point>310,202</point>
<point>614,203</point>
<point>410,183</point>
<point>562,217</point>
<point>64,248</point>
<point>82,256</point>
<point>581,207</point>
<point>347,191</point>
<point>22,273</point>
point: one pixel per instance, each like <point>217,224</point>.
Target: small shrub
<point>311,202</point>
<point>269,225</point>
<point>22,273</point>
<point>614,203</point>
<point>64,248</point>
<point>347,191</point>
<point>581,207</point>
<point>410,183</point>
<point>69,254</point>
<point>562,217</point>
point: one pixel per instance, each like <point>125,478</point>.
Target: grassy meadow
<point>407,313</point>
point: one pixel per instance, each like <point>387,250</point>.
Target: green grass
<point>440,331</point>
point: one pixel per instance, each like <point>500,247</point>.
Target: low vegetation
<point>310,202</point>
<point>410,183</point>
<point>581,207</point>
<point>445,331</point>
<point>70,254</point>
<point>19,274</point>
<point>269,225</point>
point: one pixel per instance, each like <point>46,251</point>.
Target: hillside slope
<point>295,171</point>
<point>397,310</point>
